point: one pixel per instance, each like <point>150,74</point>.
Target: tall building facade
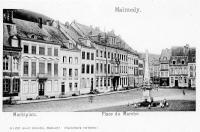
<point>192,68</point>
<point>164,67</point>
<point>179,66</point>
<point>11,57</point>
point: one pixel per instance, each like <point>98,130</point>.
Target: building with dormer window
<point>11,57</point>
<point>164,67</point>
<point>178,66</point>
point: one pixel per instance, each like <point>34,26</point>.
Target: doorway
<point>41,88</point>
<point>176,83</point>
<point>189,83</point>
<point>63,88</point>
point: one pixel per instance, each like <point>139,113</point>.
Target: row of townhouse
<point>178,67</point>
<point>43,58</point>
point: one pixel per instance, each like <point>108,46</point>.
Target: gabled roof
<point>75,35</point>
<point>165,54</point>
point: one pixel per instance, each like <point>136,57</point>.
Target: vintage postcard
<point>99,65</point>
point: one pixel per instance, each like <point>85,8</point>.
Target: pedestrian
<point>183,92</point>
<point>90,99</point>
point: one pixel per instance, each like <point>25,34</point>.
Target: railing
<point>43,75</point>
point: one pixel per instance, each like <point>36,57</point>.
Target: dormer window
<point>182,62</point>
<point>173,62</point>
<point>14,42</point>
<point>32,36</point>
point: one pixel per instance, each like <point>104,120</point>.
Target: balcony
<point>43,75</point>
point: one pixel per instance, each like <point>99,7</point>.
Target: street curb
<point>73,97</point>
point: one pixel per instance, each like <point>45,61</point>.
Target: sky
<point>159,24</point>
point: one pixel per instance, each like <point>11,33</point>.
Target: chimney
<point>8,15</point>
<point>48,23</point>
<point>40,22</point>
<point>67,24</point>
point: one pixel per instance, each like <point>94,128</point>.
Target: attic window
<point>174,62</point>
<point>193,59</point>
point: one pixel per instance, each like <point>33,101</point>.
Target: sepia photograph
<point>100,57</point>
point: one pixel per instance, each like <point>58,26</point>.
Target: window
<point>101,82</point>
<point>33,49</point>
<point>64,72</point>
<point>183,62</point>
<point>104,54</point>
<point>88,69</point>
<point>41,50</point>
<point>64,59</point>
<point>41,67</point>
<point>109,55</point>
<point>76,86</point>
<point>55,69</point>
<point>92,56</point>
<point>92,69</point>
<point>105,68</point>
<point>97,82</point>
<point>49,68</point>
<point>97,67</point>
<point>76,72</point>
<point>55,52</point>
<point>88,55</point>
<point>101,53</point>
<point>16,85</point>
<point>108,81</point>
<point>174,62</point>
<point>70,86</point>
<point>185,80</point>
<point>49,51</point>
<point>172,80</point>
<point>97,53</point>
<point>104,81</point>
<point>25,48</point>
<point>6,85</point>
<point>83,55</point>
<point>5,63</point>
<point>76,60</point>
<point>25,68</point>
<point>70,72</point>
<point>108,68</point>
<point>101,67</point>
<point>83,68</point>
<point>33,68</point>
<point>15,64</point>
<point>70,60</point>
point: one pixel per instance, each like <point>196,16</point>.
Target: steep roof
<point>192,55</point>
<point>94,32</point>
<point>26,29</point>
<point>179,51</point>
<point>166,53</point>
<point>30,15</point>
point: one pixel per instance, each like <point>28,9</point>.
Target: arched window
<point>5,62</point>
